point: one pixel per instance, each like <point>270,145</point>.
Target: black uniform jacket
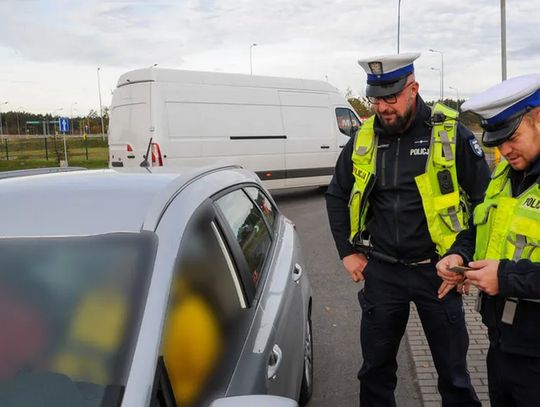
<point>396,220</point>
<point>519,279</point>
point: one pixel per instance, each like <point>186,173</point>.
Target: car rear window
<point>70,310</point>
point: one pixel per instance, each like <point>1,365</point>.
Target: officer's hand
<point>484,275</point>
<point>444,265</point>
<point>464,287</point>
<point>355,264</point>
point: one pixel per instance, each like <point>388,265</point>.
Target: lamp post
<point>251,57</point>
<point>503,39</point>
<point>442,72</point>
<point>100,106</point>
<point>71,116</point>
<point>18,125</point>
<point>1,129</point>
<point>440,86</point>
<point>398,23</point>
<point>457,95</point>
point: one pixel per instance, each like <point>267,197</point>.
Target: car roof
<point>93,201</point>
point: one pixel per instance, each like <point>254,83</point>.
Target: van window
<point>347,121</point>
<point>248,226</point>
<point>130,122</point>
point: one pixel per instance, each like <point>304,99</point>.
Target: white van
<point>289,131</point>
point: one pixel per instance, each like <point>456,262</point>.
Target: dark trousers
<point>514,380</point>
<point>385,299</point>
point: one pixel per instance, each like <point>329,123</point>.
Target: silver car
<point>136,289</point>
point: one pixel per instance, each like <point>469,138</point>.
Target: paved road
<point>336,313</point>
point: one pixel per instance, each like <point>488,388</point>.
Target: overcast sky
<point>50,50</point>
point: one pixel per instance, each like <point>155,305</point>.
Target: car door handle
<point>297,272</point>
<point>274,362</point>
<point>325,147</point>
<point>341,146</point>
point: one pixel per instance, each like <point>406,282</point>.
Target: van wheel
<point>306,390</point>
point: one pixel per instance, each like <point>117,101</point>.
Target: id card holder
<point>509,311</point>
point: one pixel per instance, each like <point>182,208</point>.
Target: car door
<point>274,347</point>
<point>208,315</point>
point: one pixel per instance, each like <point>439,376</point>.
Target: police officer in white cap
<point>505,242</point>
<point>397,201</point>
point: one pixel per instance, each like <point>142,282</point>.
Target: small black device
<point>438,117</point>
<point>445,181</point>
<point>459,269</point>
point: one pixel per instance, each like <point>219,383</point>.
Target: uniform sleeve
<point>337,201</point>
<point>472,170</point>
<point>464,244</point>
<point>519,279</point>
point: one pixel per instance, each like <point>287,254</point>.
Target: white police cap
<point>502,107</point>
<point>387,74</point>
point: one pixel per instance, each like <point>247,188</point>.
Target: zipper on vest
<point>396,203</point>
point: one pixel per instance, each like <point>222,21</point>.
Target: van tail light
<point>129,148</point>
<point>157,158</point>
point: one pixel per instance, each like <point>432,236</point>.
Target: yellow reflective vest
<point>507,227</point>
<point>438,186</point>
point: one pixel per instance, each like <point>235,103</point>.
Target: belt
<point>370,252</point>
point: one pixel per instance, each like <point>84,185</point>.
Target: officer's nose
<point>505,148</point>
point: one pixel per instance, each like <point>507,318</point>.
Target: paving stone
<point>476,357</point>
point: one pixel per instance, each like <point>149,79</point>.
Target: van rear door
<point>130,125</point>
<point>310,151</point>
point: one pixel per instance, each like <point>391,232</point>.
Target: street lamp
<point>71,116</point>
<point>251,57</point>
<point>503,39</point>
<point>1,129</point>
<point>100,106</point>
<point>18,126</point>
<point>398,23</point>
<point>457,95</point>
<point>442,72</point>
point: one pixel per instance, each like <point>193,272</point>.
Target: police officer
<point>505,242</point>
<point>393,204</point>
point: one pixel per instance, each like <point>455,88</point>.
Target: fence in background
<point>53,150</point>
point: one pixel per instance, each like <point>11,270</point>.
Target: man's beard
<point>400,124</point>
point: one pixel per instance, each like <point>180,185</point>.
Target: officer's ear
<point>535,116</point>
<point>415,87</point>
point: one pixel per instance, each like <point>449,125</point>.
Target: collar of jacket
<point>422,119</point>
<point>520,182</point>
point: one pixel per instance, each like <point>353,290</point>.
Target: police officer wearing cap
<point>401,191</point>
<point>505,242</point>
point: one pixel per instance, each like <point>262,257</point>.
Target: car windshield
<point>70,311</point>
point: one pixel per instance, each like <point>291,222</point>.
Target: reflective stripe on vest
<point>364,157</point>
<point>507,227</point>
<point>443,212</point>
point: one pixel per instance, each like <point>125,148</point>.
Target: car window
<point>347,121</point>
<point>264,204</point>
<point>249,228</point>
<point>70,312</point>
<point>206,302</point>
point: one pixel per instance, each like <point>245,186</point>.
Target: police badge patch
<point>475,147</point>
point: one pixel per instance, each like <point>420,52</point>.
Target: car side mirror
<point>354,130</point>
<point>254,400</point>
